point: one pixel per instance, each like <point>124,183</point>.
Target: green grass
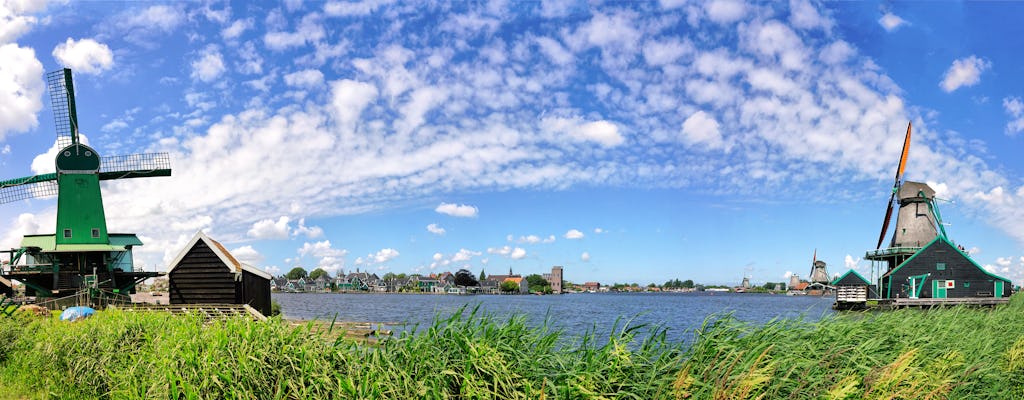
<point>906,354</point>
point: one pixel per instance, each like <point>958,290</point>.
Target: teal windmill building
<point>81,252</point>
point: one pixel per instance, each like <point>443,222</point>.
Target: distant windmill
<point>81,248</point>
<point>819,274</point>
<point>918,221</point>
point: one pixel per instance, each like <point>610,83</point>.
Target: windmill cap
<point>912,190</point>
<point>78,157</point>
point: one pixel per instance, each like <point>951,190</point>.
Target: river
<point>680,313</point>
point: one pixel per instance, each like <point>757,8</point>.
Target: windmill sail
<point>895,187</point>
<point>28,188</point>
<point>135,166</point>
<point>62,102</point>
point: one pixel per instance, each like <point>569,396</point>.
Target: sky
<point>630,142</point>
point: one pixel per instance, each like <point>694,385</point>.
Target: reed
<point>941,353</point>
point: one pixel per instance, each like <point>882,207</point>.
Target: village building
<point>204,272</point>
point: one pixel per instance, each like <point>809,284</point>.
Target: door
<point>998,292</point>
<point>938,289</point>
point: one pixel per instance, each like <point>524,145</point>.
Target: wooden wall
<point>201,278</point>
<point>970,280</point>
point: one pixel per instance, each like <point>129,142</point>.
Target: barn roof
<point>222,253</point>
<point>851,277</point>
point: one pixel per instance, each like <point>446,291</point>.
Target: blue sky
<point>627,141</point>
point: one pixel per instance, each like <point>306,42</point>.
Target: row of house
<point>443,283</point>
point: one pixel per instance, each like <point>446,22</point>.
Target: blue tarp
<point>76,313</point>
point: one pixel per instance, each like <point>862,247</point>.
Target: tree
<point>509,286</point>
<point>482,275</point>
<point>317,273</point>
<point>688,284</point>
<point>465,278</point>
<point>538,284</point>
<point>388,276</point>
<point>296,273</point>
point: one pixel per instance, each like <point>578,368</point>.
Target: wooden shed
<point>851,291</point>
<point>940,270</point>
<point>206,273</point>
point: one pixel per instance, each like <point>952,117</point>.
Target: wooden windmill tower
<point>918,221</point>
<point>81,249</point>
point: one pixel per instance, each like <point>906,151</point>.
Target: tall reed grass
<point>942,353</point>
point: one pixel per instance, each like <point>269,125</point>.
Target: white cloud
<point>457,210</point>
<point>660,53</point>
<point>437,230</point>
<point>574,234</point>
<point>6,150</point>
<point>501,251</point>
<point>517,254</point>
<point>24,224</point>
<point>311,232</point>
<point>725,11</point>
<point>14,18</point>
<point>327,257</point>
<point>585,257</point>
<point>555,51</point>
<point>161,17</point>
<point>1015,108</point>
<point>247,255</point>
<point>270,229</point>
<point>21,89</point>
<point>804,15</point>
<point>349,99</point>
<point>465,255</point>
<point>209,66</point>
<point>384,255</point>
<point>85,56</point>
<point>306,78</point>
<point>237,28</point>
<point>603,132</point>
<point>891,21</point>
<point>353,8</point>
<point>964,72</point>
<point>309,31</point>
<point>701,128</point>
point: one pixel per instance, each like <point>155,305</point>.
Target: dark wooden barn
<point>206,273</point>
<point>940,270</point>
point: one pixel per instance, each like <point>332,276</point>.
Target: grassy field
<point>908,354</point>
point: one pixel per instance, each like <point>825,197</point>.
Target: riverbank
<point>943,353</point>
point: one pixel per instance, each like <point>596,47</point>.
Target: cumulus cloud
<point>602,132</point>
<point>1015,108</point>
<point>21,89</point>
<point>270,229</point>
<point>247,255</point>
<point>236,28</point>
<point>517,254</point>
<point>701,128</point>
<point>964,72</point>
<point>209,66</point>
<point>574,234</point>
<point>85,56</point>
<point>457,210</point>
<point>437,230</point>
<point>306,78</point>
<point>725,11</point>
<point>464,255</point>
<point>311,232</point>
<point>585,257</point>
<point>891,21</point>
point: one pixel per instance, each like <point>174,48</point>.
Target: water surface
<point>680,313</point>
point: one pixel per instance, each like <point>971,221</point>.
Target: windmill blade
<point>885,223</point>
<point>28,188</point>
<point>896,185</point>
<point>62,102</point>
<point>135,166</point>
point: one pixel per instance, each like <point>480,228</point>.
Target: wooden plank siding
<point>943,262</point>
<point>201,277</point>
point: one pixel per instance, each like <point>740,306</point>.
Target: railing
<point>29,268</point>
<point>892,251</point>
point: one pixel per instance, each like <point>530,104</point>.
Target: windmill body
<point>80,252</point>
<point>921,264</point>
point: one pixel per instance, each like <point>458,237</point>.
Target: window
<point>967,284</point>
<point>67,233</point>
<point>95,232</point>
<point>940,266</point>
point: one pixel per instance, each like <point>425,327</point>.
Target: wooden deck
<point>208,311</point>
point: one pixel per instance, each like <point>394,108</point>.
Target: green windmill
<point>80,253</point>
